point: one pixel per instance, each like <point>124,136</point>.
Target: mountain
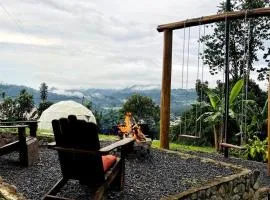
<point>103,99</point>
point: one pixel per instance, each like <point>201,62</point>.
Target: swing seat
<point>189,136</point>
<point>232,146</point>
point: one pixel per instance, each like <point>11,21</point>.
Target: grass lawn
<point>173,146</point>
<point>182,147</point>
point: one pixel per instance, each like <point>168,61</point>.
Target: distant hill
<point>108,98</point>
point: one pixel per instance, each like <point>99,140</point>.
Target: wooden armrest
<point>102,151</point>
<point>120,143</point>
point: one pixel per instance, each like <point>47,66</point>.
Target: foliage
<point>143,108</point>
<point>3,95</point>
<point>240,41</point>
<point>43,106</point>
<point>7,108</point>
<point>16,109</point>
<point>109,119</point>
<point>189,125</point>
<point>43,91</point>
<point>24,103</point>
<point>216,108</point>
<point>217,105</point>
<point>201,88</point>
<point>88,104</point>
<point>257,149</point>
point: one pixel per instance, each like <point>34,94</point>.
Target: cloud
<point>97,43</point>
<point>18,38</point>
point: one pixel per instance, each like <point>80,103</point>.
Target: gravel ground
<point>158,175</point>
<point>252,165</point>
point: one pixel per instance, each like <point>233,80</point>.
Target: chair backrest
<point>79,134</point>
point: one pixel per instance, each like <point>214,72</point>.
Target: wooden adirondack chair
<point>82,159</point>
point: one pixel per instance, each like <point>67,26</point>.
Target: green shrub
<point>257,149</point>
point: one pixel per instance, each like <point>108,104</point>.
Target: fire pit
<point>131,128</point>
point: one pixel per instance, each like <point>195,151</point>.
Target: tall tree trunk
<point>216,138</point>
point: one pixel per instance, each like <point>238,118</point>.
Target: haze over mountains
<point>104,99</point>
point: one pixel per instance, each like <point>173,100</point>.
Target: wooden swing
<point>197,134</point>
<point>167,66</point>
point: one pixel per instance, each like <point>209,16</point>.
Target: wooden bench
<point>32,125</point>
<point>27,146</point>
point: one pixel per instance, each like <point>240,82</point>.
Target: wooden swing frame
<point>167,64</point>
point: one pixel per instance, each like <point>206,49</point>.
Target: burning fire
<point>131,129</point>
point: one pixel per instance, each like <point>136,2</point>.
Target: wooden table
<point>19,145</point>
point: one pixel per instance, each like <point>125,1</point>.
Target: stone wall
<point>243,184</point>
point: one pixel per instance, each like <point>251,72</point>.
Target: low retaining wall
<point>244,184</point>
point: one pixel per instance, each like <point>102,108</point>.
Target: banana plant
<point>216,109</point>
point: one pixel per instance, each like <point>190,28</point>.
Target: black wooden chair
<point>81,158</point>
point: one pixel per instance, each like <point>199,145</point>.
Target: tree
<point>242,41</point>
<point>201,88</point>
<point>44,104</point>
<point>142,108</point>
<point>3,95</point>
<point>15,109</point>
<point>43,91</point>
<point>216,109</point>
<point>24,103</point>
<point>7,109</point>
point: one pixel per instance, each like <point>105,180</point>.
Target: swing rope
<point>187,64</point>
<point>247,76</point>
<point>183,63</point>
<point>198,69</point>
<point>243,117</point>
<point>202,81</point>
<point>195,135</point>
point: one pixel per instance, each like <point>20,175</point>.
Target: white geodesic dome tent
<point>64,109</point>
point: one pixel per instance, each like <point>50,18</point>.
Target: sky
<point>72,44</point>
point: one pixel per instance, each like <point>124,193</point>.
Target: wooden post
<point>268,129</point>
<point>166,90</point>
<point>23,147</point>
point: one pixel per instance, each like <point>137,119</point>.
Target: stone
<point>221,191</point>
<point>256,185</point>
<point>230,187</point>
<point>236,197</point>
<point>247,184</point>
<point>241,188</point>
<point>208,193</point>
<point>213,190</point>
<point>251,193</point>
<point>245,196</point>
<point>235,190</point>
<point>252,179</point>
<point>202,194</point>
<point>214,198</point>
<point>194,196</point>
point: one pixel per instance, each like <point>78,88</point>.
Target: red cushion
<point>108,161</point>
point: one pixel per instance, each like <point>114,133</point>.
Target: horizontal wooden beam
<point>215,18</point>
